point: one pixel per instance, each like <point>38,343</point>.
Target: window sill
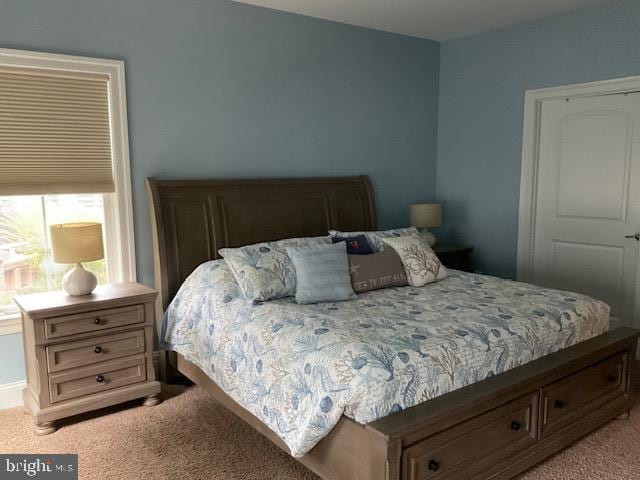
<point>11,325</point>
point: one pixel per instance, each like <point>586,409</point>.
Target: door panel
<point>584,141</point>
<point>594,270</point>
<point>588,199</point>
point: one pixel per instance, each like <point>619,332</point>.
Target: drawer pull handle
<point>515,425</point>
<point>97,349</point>
<point>612,378</point>
<point>558,404</point>
<point>100,378</point>
<point>433,465</point>
<point>98,321</point>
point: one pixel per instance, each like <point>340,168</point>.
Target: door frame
<point>530,159</point>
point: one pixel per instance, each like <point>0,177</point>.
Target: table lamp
<point>426,215</point>
<point>76,243</point>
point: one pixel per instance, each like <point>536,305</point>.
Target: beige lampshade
<point>77,242</point>
<point>426,215</point>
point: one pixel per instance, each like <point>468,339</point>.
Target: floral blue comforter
<point>299,368</point>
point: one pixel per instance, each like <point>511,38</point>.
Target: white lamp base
<point>429,237</point>
<point>79,281</point>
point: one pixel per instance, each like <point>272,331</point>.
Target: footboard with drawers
<point>493,429</point>
<point>499,427</point>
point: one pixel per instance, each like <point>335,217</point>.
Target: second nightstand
<point>454,256</point>
<point>87,352</point>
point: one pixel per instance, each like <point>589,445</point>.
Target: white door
<point>588,201</point>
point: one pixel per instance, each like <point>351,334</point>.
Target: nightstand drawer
<point>94,350</point>
<point>97,378</point>
<point>98,320</point>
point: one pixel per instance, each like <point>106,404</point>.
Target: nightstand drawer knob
<point>98,321</point>
<point>100,378</point>
<point>558,404</point>
<point>97,349</point>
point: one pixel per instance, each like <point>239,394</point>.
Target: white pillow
<point>420,263</point>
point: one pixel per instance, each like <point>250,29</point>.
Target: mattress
<point>299,368</point>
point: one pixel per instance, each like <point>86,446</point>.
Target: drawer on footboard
<point>475,445</point>
<point>577,395</point>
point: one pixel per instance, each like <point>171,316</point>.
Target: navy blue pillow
<point>355,245</point>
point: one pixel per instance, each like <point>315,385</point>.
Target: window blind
<point>54,132</point>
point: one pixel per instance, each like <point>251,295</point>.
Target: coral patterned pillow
<point>420,263</point>
<point>264,270</point>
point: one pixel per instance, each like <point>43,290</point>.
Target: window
<point>26,213</point>
<point>25,251</point>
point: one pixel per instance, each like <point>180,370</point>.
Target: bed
<point>482,378</point>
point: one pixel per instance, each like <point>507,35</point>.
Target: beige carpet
<point>189,436</point>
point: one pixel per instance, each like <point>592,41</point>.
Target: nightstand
<point>454,256</point>
<point>87,352</point>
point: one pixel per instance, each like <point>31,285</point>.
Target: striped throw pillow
<point>322,273</point>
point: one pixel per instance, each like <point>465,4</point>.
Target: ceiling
<point>433,19</point>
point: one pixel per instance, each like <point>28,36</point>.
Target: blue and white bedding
<point>299,368</point>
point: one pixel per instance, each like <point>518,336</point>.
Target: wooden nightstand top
<point>457,257</point>
<point>446,248</point>
<point>58,302</point>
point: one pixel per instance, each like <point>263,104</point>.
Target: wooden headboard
<point>192,219</point>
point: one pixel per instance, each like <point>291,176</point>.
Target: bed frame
<point>493,429</point>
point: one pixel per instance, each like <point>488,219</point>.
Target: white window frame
<point>118,206</point>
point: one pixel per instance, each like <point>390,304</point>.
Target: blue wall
<point>221,89</point>
<point>482,84</point>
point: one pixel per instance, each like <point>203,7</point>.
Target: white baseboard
<point>11,394</point>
